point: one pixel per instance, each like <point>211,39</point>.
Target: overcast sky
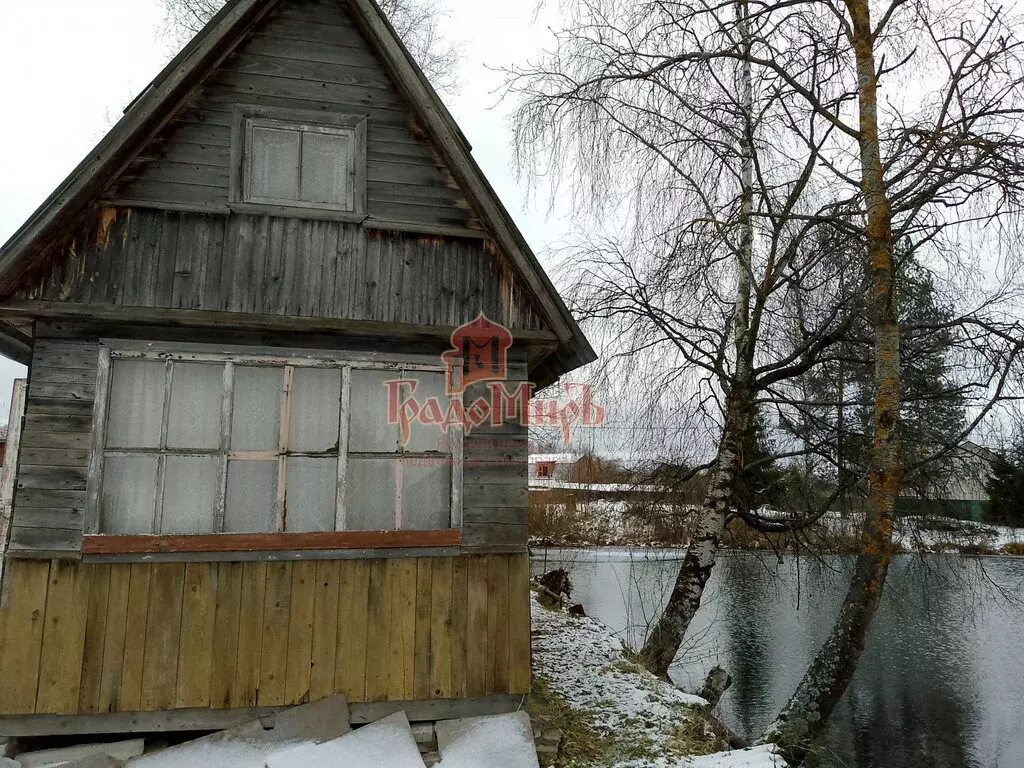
<point>69,67</point>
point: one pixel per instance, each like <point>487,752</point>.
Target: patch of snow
<point>583,662</point>
<point>755,757</point>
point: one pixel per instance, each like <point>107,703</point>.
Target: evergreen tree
<point>1005,486</point>
<point>761,482</point>
<point>933,405</point>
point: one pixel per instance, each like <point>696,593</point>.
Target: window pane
<point>129,486</point>
<point>426,494</point>
<point>274,165</point>
<point>369,430</point>
<point>196,392</point>
<point>256,412</point>
<point>316,400</point>
<point>251,497</point>
<point>325,168</point>
<point>312,494</point>
<point>136,404</point>
<point>370,494</point>
<point>430,437</point>
<point>190,494</point>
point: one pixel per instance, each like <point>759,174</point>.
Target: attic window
<point>289,159</point>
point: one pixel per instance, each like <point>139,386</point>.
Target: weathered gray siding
<point>494,478</point>
<point>53,462</point>
<point>50,498</point>
<point>307,55</point>
<point>284,266</point>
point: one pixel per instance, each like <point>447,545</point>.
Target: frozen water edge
<point>582,662</point>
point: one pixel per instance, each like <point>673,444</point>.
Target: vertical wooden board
<point>130,692</point>
<point>163,637</point>
<point>442,628</point>
<point>181,288</point>
<point>300,632</point>
<point>351,667</point>
<point>497,624</point>
<point>257,273</point>
<point>290,266</point>
<point>273,277</point>
<point>460,626</point>
<point>329,273</point>
<point>325,629</point>
<point>196,649</point>
<point>520,668</point>
<point>274,657</point>
<point>164,292</point>
<point>478,668</point>
<point>402,663</point>
<point>236,264</point>
<point>378,631</point>
<point>95,634</point>
<point>21,635</point>
<point>60,662</point>
<point>250,635</point>
<point>114,637</point>
<point>226,619</point>
<point>421,671</point>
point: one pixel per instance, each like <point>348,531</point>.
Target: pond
<point>941,682</point>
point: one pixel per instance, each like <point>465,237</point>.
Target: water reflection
<point>941,682</point>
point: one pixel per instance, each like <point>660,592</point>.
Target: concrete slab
<point>388,743</point>
<point>321,721</point>
<point>122,750</point>
<point>496,741</point>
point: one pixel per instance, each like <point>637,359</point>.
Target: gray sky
<point>68,68</point>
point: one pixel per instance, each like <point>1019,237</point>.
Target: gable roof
<point>172,88</point>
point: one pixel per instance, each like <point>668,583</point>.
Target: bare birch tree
<point>642,109</point>
<point>416,21</point>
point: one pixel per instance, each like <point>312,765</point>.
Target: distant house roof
<point>555,458</point>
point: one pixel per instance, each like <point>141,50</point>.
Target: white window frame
<point>149,352</point>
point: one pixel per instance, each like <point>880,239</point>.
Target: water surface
<point>941,682</point>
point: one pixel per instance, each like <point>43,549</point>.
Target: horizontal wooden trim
<point>205,719</point>
<point>246,556</point>
<point>316,214</point>
<point>422,228</point>
<point>243,321</point>
<point>296,212</point>
<point>268,542</point>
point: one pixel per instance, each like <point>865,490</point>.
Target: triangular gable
<point>172,89</point>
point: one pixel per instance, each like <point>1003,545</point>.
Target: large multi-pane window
<point>198,444</point>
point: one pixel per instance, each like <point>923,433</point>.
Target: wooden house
<point>214,514</point>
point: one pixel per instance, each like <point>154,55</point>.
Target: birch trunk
<point>667,635</point>
<point>805,716</point>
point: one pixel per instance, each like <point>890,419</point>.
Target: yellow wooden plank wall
<point>89,637</point>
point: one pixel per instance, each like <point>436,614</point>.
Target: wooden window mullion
<point>161,462</point>
<point>227,397</point>
<point>343,425</point>
<point>280,523</point>
<point>457,459</point>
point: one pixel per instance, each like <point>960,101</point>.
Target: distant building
<point>3,443</point>
<point>548,470</point>
<point>954,488</point>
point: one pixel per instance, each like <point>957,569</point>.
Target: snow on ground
<point>581,661</point>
